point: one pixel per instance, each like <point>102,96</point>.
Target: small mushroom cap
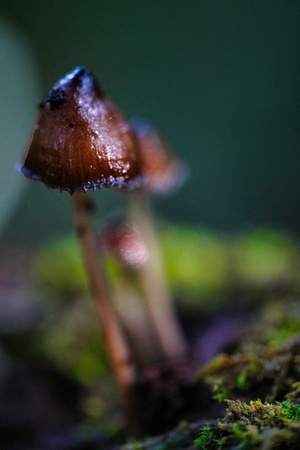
<point>81,140</point>
<point>163,172</point>
<point>125,243</point>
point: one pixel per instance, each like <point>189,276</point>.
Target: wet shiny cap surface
<point>81,140</point>
<point>163,171</point>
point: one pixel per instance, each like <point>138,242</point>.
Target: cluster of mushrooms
<point>82,141</point>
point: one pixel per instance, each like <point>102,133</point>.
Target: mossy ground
<point>258,384</point>
<point>251,370</point>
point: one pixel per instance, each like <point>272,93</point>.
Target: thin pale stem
<point>152,273</point>
<point>118,349</point>
<point>136,321</point>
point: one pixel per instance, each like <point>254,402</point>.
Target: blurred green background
<point>219,79</point>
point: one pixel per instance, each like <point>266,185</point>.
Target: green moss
<point>242,379</point>
<point>238,430</point>
<point>196,261</point>
<point>201,440</point>
<point>256,424</point>
<point>288,326</point>
<point>200,265</point>
<point>73,341</point>
<point>221,394</point>
<point>292,411</point>
<point>258,369</point>
<point>59,268</point>
<point>266,362</point>
<point>264,256</point>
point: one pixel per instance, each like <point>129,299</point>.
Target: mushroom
<point>127,250</point>
<point>164,173</point>
<point>82,141</point>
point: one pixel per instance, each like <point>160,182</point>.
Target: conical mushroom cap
<point>163,171</point>
<point>81,140</point>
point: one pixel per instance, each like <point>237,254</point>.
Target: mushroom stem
<point>152,274</point>
<point>118,349</point>
<point>136,322</point>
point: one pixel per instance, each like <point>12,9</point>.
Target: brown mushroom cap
<point>125,242</point>
<point>81,140</point>
<point>163,171</point>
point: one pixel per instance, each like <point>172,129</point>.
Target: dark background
<point>219,79</point>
